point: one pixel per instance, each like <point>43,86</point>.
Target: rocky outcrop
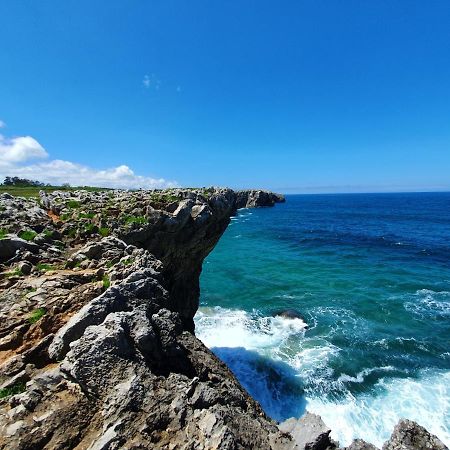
<point>408,435</point>
<point>97,349</point>
<point>96,345</point>
<point>309,432</point>
<point>257,198</point>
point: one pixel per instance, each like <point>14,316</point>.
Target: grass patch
<point>14,273</point>
<point>13,390</point>
<point>136,219</point>
<point>128,262</point>
<point>44,267</point>
<point>64,217</point>
<point>73,204</point>
<point>36,315</point>
<point>33,191</point>
<point>90,228</point>
<point>27,235</point>
<point>106,282</point>
<point>86,215</point>
<point>104,231</point>
<point>3,233</point>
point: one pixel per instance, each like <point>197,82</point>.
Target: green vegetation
<point>86,215</point>
<point>106,282</point>
<point>13,390</point>
<point>128,261</point>
<point>72,232</point>
<point>21,187</point>
<point>73,204</point>
<point>136,219</point>
<point>3,233</point>
<point>36,315</point>
<point>44,267</point>
<point>14,273</point>
<point>27,235</point>
<point>104,231</point>
<point>89,228</point>
<point>64,217</point>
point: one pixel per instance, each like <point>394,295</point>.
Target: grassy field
<point>33,191</point>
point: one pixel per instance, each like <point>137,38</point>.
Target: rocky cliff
<point>97,350</point>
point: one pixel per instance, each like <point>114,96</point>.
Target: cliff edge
<point>97,346</point>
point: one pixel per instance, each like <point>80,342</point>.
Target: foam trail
<point>274,360</point>
<point>425,400</point>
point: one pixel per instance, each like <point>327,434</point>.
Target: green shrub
<point>86,215</point>
<point>89,228</point>
<point>27,235</point>
<point>13,390</point>
<point>36,315</point>
<point>64,217</point>
<point>73,204</point>
<point>104,231</point>
<point>136,219</point>
<point>3,233</point>
<point>106,282</point>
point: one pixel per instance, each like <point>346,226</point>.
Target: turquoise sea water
<point>370,275</point>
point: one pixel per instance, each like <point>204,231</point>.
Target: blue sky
<point>297,96</point>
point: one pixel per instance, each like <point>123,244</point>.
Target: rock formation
<point>97,350</point>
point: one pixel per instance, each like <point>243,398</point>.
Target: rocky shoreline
<point>97,345</point>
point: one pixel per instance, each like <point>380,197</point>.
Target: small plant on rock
<point>36,315</point>
<point>13,390</point>
<point>27,235</point>
<point>106,282</point>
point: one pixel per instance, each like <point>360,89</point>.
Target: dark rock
<point>10,245</point>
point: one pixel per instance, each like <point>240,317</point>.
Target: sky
<point>294,96</point>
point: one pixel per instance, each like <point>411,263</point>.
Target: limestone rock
<point>408,435</point>
<point>309,432</point>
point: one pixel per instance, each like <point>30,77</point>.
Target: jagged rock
<point>309,432</point>
<point>10,245</point>
<point>408,435</point>
<point>359,444</point>
<point>257,198</point>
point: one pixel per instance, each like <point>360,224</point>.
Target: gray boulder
<point>409,435</point>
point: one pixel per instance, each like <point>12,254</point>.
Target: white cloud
<point>20,149</point>
<point>17,153</point>
<point>2,124</point>
<point>151,81</point>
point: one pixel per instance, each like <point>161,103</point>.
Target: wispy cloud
<point>19,157</point>
<point>151,82</point>
<point>2,124</point>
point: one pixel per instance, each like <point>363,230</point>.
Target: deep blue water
<point>370,274</point>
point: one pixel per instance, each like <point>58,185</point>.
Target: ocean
<point>369,276</point>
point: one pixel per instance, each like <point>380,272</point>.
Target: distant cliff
<point>97,351</point>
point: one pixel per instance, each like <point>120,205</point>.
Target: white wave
<point>425,400</point>
<point>426,303</point>
<point>290,359</point>
<point>360,376</point>
<point>222,327</point>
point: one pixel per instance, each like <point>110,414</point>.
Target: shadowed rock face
<point>97,349</point>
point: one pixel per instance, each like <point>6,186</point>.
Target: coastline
<point>116,323</point>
